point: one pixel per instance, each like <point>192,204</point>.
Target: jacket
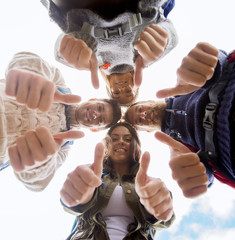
<point>90,222</point>
<point>117,49</point>
<point>184,121</point>
<point>16,119</point>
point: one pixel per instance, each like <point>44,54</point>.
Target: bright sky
<point>25,26</point>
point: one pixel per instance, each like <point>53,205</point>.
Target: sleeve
<point>38,178</point>
<point>35,64</point>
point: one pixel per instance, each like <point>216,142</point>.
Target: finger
<point>173,144</point>
<point>84,59</point>
<point>208,48</point>
<point>165,215</point>
<point>195,192</point>
<point>35,147</point>
<point>66,98</point>
<point>187,167</point>
<point>62,137</point>
<point>34,92</point>
<point>14,158</point>
<point>94,71</point>
<point>73,192</point>
<point>178,90</point>
<point>67,199</point>
<point>66,46</point>
<point>145,52</point>
<point>98,159</point>
<point>142,173</point>
<point>157,30</point>
<point>23,86</point>
<point>187,185</point>
<point>24,152</point>
<point>69,135</point>
<point>138,75</point>
<point>12,82</point>
<point>87,175</point>
<point>46,140</point>
<point>47,96</point>
<point>194,72</point>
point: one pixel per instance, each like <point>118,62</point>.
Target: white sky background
<point>25,26</point>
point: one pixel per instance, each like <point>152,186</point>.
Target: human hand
<point>150,46</point>
<point>152,192</point>
<point>186,167</point>
<point>37,146</point>
<point>196,68</point>
<point>35,91</point>
<point>80,184</point>
<point>79,55</point>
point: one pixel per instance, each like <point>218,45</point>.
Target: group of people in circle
<point>114,198</point>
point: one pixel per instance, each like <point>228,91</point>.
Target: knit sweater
<point>116,50</point>
<point>16,119</point>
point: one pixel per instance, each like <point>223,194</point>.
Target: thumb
<point>139,66</point>
<point>63,137</point>
<point>97,166</point>
<point>141,176</point>
<point>94,71</point>
<point>60,97</point>
<point>173,144</point>
<point>167,92</point>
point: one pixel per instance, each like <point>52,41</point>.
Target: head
<point>146,115</point>
<point>98,114</point>
<point>122,144</point>
<point>120,86</point>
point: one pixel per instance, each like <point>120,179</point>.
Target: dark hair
<point>135,146</point>
<point>116,111</point>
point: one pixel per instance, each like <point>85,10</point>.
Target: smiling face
<point>146,115</point>
<point>122,87</point>
<point>96,114</point>
<point>120,145</point>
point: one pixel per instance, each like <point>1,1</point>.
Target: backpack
<point>169,5</point>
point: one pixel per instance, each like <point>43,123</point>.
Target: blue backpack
<point>169,5</point>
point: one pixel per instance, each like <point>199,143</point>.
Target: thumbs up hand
<point>80,184</point>
<point>35,91</point>
<point>186,167</point>
<point>196,68</point>
<point>153,193</point>
<point>36,147</point>
<point>79,55</point>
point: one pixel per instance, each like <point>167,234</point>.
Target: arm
<point>38,154</point>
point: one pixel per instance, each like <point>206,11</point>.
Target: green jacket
<point>90,222</point>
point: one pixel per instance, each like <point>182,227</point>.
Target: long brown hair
<point>135,146</point>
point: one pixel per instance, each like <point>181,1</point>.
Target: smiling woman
<point>128,204</point>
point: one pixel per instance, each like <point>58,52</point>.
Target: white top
<point>117,215</point>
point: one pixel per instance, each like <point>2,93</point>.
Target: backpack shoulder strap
<point>168,6</point>
<point>212,106</point>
